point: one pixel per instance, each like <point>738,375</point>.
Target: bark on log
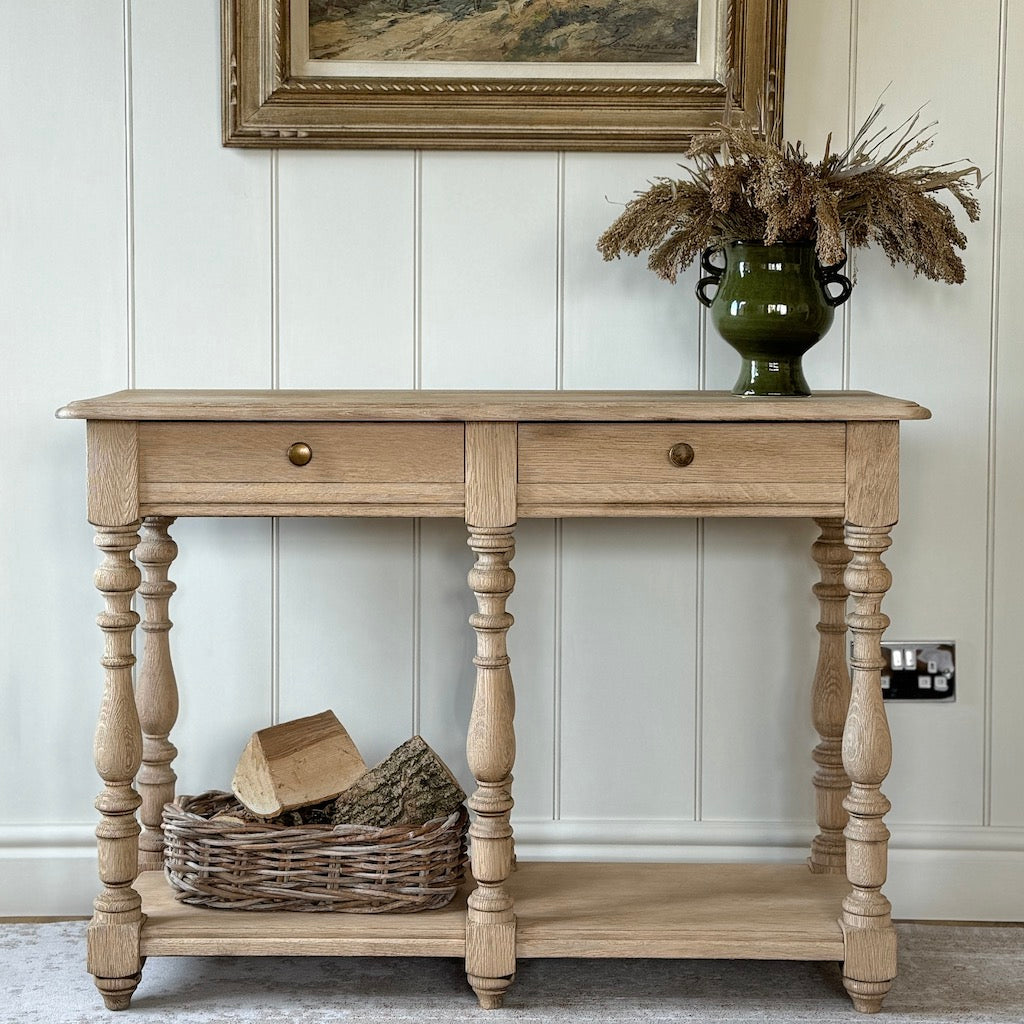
<point>305,761</point>
<point>410,787</point>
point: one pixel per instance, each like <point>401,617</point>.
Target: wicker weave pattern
<point>351,868</point>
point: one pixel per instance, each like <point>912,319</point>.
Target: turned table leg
<point>491,751</point>
<point>113,937</point>
<point>156,693</point>
<point>830,699</point>
<point>870,964</point>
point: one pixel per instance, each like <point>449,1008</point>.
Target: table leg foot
<point>117,992</point>
<point>490,991</point>
<point>869,966</point>
<point>867,996</point>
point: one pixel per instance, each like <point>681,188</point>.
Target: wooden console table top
<point>487,406</point>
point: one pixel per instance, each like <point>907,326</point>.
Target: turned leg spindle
<point>491,750</point>
<point>830,700</point>
<point>870,963</point>
<point>113,938</point>
<point>156,693</point>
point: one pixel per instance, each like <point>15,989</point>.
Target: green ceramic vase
<point>772,305</point>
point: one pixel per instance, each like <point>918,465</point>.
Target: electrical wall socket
<point>919,670</point>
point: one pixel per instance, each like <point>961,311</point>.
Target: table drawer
<point>340,452</point>
<point>653,453</point>
<point>681,468</point>
<point>302,468</point>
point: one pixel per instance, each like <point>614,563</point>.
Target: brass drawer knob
<point>680,454</point>
<point>300,453</point>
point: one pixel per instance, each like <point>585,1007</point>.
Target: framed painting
<point>607,75</point>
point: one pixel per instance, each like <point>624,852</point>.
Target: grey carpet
<point>948,975</point>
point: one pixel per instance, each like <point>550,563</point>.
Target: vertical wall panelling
<point>129,179</point>
<point>347,269</point>
<point>627,675</point>
<point>1007,694</point>
<point>931,341</point>
<point>821,41</point>
<point>203,221</point>
<point>624,327</point>
<point>202,212</point>
<point>347,602</point>
<point>760,648</point>
<point>489,256</point>
<point>62,328</point>
<point>851,129</point>
<point>558,656</point>
<point>417,270</point>
<point>560,225</point>
<point>699,597</point>
<point>759,641</point>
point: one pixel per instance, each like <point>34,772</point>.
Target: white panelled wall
<point>663,667</point>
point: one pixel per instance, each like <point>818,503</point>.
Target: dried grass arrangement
<point>746,186</point>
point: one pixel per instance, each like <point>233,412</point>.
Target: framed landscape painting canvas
<point>640,75</point>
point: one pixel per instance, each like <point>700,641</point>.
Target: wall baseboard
<point>953,873</point>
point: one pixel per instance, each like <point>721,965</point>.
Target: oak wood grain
<point>566,509</point>
<point>156,688</point>
<point>753,911</point>
<point>341,452</point>
<point>112,954</point>
<point>873,463</point>
<point>491,753</point>
<point>491,456</point>
<point>378,506</point>
<point>830,698</point>
<point>152,494</point>
<point>175,929</point>
<point>113,473</point>
<point>870,960</point>
<point>684,492</point>
<point>722,453</point>
<point>509,406</point>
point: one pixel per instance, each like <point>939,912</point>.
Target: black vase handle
<point>714,273</point>
<point>831,275</point>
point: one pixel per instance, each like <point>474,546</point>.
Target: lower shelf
<point>176,929</point>
<point>701,911</point>
<point>712,911</point>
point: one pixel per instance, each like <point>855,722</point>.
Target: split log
<point>410,787</point>
<point>305,761</point>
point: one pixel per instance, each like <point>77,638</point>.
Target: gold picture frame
<point>270,100</point>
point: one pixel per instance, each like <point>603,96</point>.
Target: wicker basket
<point>352,868</point>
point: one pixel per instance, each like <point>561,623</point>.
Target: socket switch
<point>919,670</point>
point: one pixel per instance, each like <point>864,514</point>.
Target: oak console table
<point>494,457</point>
